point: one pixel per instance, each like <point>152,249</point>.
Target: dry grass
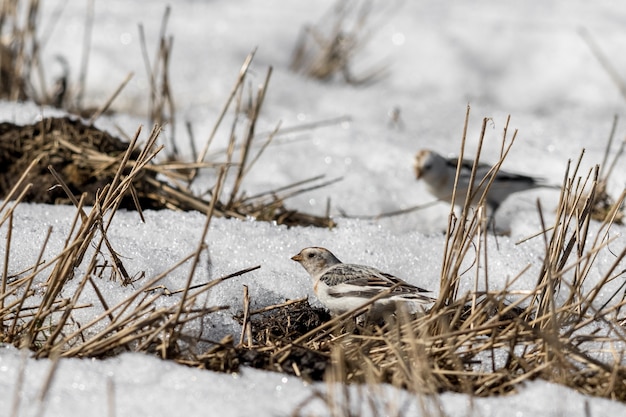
<point>603,204</point>
<point>22,72</point>
<point>161,109</point>
<point>487,343</point>
<point>64,160</point>
<point>481,343</point>
<point>37,313</point>
<point>330,48</point>
<point>19,50</point>
<point>87,158</point>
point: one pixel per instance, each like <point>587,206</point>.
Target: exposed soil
<point>270,331</point>
<point>87,159</point>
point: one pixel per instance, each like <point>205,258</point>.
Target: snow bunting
<point>439,173</point>
<point>344,287</point>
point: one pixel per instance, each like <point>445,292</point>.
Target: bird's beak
<point>418,164</point>
<point>418,172</point>
<point>296,258</point>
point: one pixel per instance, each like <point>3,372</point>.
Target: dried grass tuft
<point>22,72</point>
<point>480,343</point>
<point>483,342</point>
<point>37,308</point>
<point>602,204</point>
<point>19,49</point>
<point>329,49</point>
<point>87,159</point>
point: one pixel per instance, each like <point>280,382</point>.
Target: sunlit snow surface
<point>526,59</point>
<point>135,384</point>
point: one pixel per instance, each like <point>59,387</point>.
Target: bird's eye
<point>310,255</point>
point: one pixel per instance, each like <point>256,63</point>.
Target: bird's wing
<point>366,292</point>
<point>404,286</point>
<point>346,274</point>
<point>370,279</point>
<point>517,178</point>
<point>346,290</point>
<point>483,169</point>
<point>466,164</point>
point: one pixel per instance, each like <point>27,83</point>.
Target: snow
<point>136,384</point>
<point>526,59</point>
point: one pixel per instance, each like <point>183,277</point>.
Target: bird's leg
<point>491,217</point>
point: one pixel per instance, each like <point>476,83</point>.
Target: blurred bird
<point>439,173</point>
<point>344,287</point>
